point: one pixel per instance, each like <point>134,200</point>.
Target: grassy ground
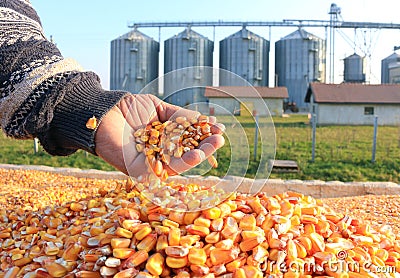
<point>342,152</point>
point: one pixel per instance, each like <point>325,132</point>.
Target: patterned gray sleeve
<point>42,94</point>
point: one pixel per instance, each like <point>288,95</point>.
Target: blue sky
<point>84,29</point>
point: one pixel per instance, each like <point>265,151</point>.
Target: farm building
<point>243,100</point>
<point>354,104</point>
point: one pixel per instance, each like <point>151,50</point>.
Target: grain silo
<point>300,58</point>
<point>354,69</point>
<point>134,61</point>
<point>247,55</point>
<point>188,50</point>
<point>386,63</point>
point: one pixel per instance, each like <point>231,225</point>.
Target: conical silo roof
<point>393,56</point>
<point>354,56</point>
<point>134,35</point>
<point>188,33</point>
<point>244,33</point>
<point>300,34</point>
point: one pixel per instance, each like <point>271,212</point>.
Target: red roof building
<point>354,104</point>
<point>245,100</point>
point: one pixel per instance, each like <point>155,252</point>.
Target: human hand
<point>115,142</point>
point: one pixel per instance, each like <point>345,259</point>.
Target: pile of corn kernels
<point>59,226</point>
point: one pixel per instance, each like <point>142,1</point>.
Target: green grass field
<point>342,152</point>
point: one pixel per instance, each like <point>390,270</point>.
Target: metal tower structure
<point>335,23</point>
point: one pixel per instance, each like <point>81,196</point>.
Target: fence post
<point>314,127</point>
<point>255,140</point>
<point>374,139</point>
<point>35,145</point>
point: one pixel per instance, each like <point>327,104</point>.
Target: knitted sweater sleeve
<point>42,94</point>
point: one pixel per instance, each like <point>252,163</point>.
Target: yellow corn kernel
<point>177,251</point>
<point>248,223</point>
<point>136,259</point>
<point>199,270</point>
<point>235,264</point>
<point>22,262</point>
<point>382,254</point>
<point>55,269</point>
<point>51,249</point>
<point>120,242</point>
<point>174,262</point>
<point>291,250</point>
<point>217,225</point>
<point>161,230</point>
<point>148,243</point>
<point>106,271</point>
<point>170,223</point>
<point>77,207</point>
<point>91,257</point>
<point>295,220</point>
<point>190,217</point>
<point>219,256</point>
<point>212,213</point>
<point>177,216</point>
<point>122,253</point>
<point>317,241</point>
<point>12,272</point>
<point>203,222</point>
<point>308,219</point>
<point>155,264</point>
<point>29,230</point>
<point>112,262</point>
<point>141,234</point>
<point>124,233</point>
<point>174,236</point>
<point>213,237</point>
<point>309,210</point>
<point>301,250</point>
<point>91,123</point>
<point>198,230</point>
<point>212,161</point>
<point>162,243</point>
<point>197,256</point>
<point>251,243</point>
<point>189,240</point>
<point>252,271</point>
<point>239,273</point>
<point>127,273</point>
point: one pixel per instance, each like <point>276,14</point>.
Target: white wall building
<point>242,100</point>
<point>354,104</point>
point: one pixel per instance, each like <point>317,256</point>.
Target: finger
<point>211,144</point>
<point>188,160</point>
<point>217,128</point>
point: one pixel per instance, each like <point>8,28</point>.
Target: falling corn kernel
<point>91,123</point>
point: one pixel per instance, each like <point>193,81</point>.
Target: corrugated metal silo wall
<point>297,63</point>
<point>182,52</point>
<point>354,69</point>
<point>134,63</point>
<point>246,56</point>
<point>385,67</point>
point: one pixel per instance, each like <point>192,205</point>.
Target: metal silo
<point>354,69</point>
<point>134,61</point>
<point>247,55</point>
<point>300,58</point>
<point>392,59</point>
<point>188,49</point>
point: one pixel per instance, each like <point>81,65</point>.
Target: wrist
<point>83,99</point>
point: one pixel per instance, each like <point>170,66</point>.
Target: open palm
<point>115,142</point>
